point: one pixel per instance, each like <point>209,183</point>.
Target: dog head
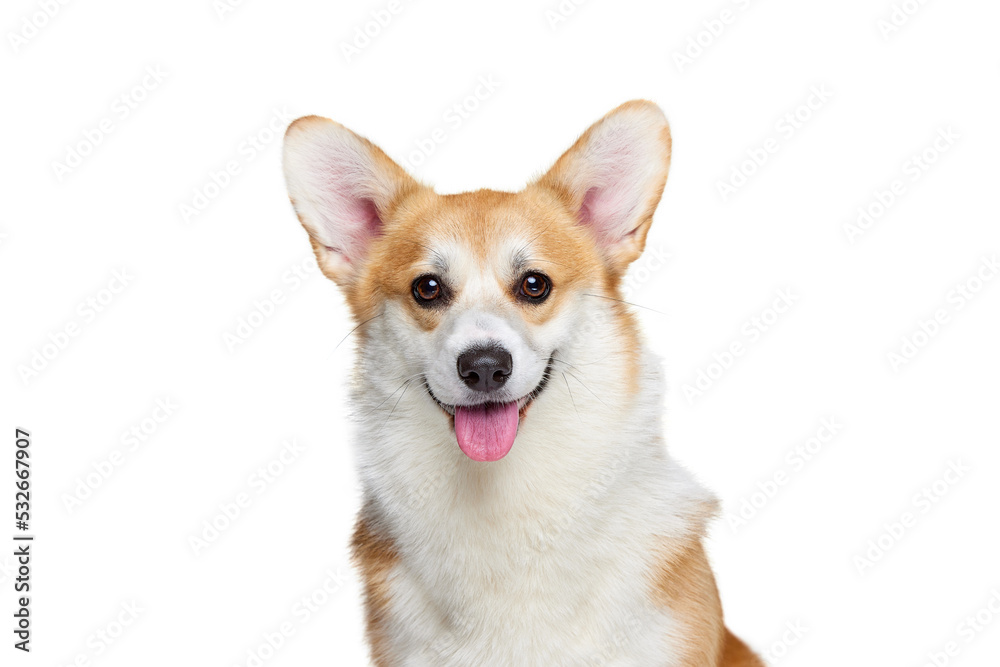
<point>475,296</point>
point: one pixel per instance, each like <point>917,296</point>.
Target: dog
<point>519,505</point>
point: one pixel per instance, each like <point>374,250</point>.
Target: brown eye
<point>534,287</point>
<point>426,289</point>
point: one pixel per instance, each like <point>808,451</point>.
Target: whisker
<point>611,298</point>
<point>564,362</point>
<point>530,241</point>
<point>406,380</point>
<point>589,363</point>
<point>587,388</point>
<point>353,330</point>
<point>572,400</point>
<point>395,405</point>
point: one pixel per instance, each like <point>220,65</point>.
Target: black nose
<point>484,368</point>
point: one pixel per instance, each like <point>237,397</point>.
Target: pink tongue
<point>486,432</point>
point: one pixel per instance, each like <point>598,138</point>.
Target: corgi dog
<point>520,507</point>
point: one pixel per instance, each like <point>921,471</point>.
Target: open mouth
<point>486,431</point>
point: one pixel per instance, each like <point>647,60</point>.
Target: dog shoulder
<point>375,555</point>
<point>682,581</point>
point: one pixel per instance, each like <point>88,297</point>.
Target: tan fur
<point>557,180</point>
<point>564,252</point>
<point>375,556</point>
<point>545,214</point>
<point>737,654</point>
<point>685,584</point>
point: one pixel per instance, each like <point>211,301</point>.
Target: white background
<point>192,281</point>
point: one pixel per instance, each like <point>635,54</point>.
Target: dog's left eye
<point>426,289</point>
<point>534,287</point>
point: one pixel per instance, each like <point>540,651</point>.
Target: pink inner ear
<point>363,225</point>
<point>608,210</point>
<point>356,221</point>
<point>367,216</point>
<point>586,214</point>
<point>614,175</point>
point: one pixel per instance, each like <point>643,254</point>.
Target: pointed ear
<point>612,178</point>
<point>343,188</point>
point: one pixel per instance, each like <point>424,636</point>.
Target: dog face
<point>478,293</point>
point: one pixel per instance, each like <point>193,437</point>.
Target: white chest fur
<point>543,558</point>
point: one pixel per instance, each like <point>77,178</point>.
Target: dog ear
<point>613,176</point>
<point>343,188</point>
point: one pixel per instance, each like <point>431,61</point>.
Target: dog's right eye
<point>427,289</point>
